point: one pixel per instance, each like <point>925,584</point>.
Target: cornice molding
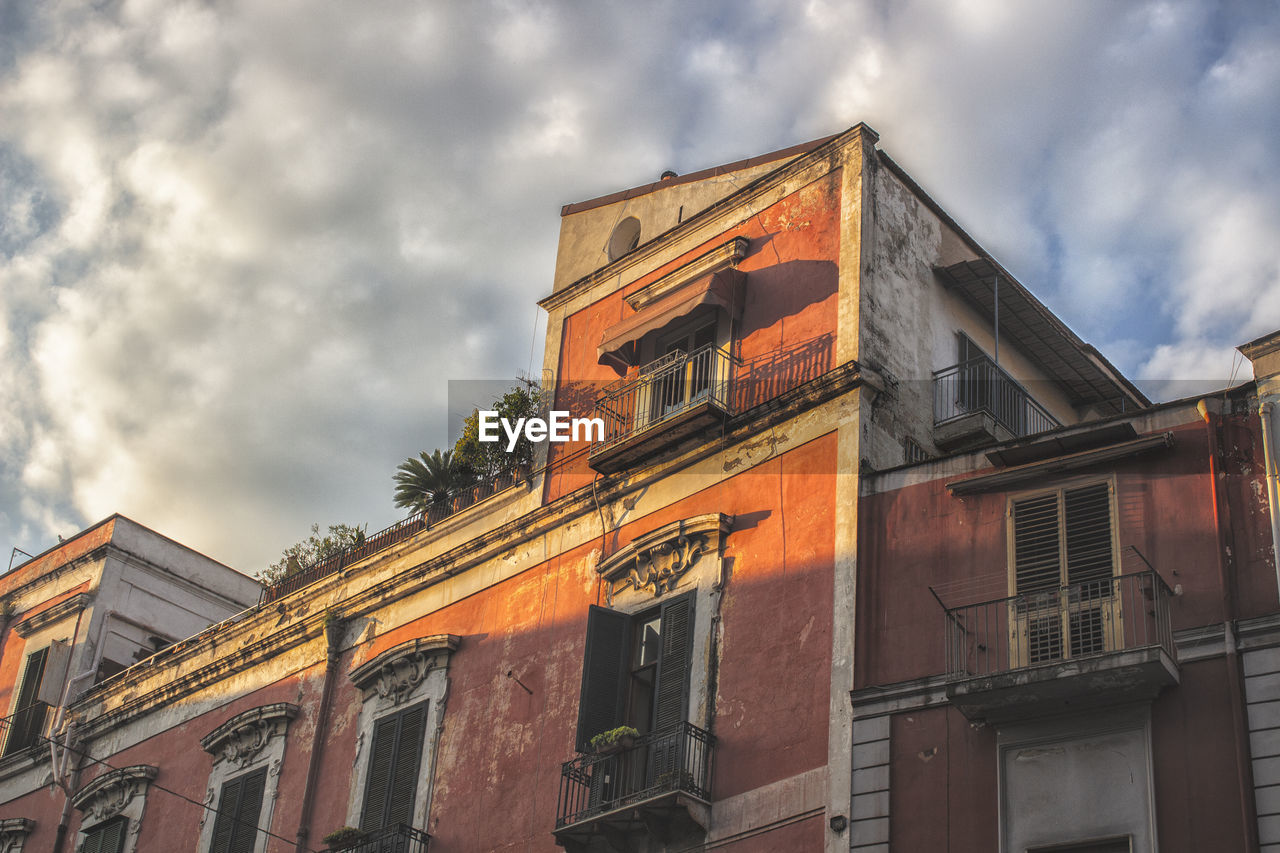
<point>722,257</point>
<point>243,737</point>
<point>397,671</point>
<point>241,631</point>
<point>13,832</point>
<point>657,560</point>
<point>62,610</point>
<point>109,794</point>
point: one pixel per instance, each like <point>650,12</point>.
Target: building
<point>82,611</point>
<point>795,357</point>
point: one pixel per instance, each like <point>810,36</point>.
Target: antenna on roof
<point>15,552</point>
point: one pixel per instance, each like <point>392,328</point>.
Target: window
<point>106,837</point>
<point>394,763</point>
<point>236,828</point>
<point>1061,571</point>
<point>636,669</point>
<point>404,692</point>
<point>248,754</point>
<point>28,717</point>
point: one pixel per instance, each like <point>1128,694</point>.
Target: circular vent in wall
<point>625,237</point>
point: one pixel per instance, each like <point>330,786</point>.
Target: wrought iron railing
<point>1086,619</point>
<point>665,388</point>
<point>459,500</point>
<point>676,759</point>
<point>980,385</point>
<point>393,839</point>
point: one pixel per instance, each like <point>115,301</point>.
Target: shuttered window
<point>1062,538</point>
<point>105,837</point>
<point>236,828</point>
<point>394,760</point>
<point>27,723</point>
<point>607,670</point>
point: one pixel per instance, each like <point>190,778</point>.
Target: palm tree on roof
<point>426,480</point>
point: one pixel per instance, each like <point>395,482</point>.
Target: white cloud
<point>242,246</point>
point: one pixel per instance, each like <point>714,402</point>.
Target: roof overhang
<point>1087,378</point>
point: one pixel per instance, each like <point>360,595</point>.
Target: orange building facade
<point>751,617</point>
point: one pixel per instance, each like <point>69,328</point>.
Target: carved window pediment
<point>111,793</point>
<point>657,560</point>
<point>14,832</point>
<point>397,672</point>
<point>241,739</point>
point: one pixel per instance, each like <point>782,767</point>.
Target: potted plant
<point>345,838</point>
<point>614,740</point>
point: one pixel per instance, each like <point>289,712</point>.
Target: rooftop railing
<point>1121,613</point>
<point>658,763</point>
<point>663,389</point>
<point>980,385</point>
<point>398,532</point>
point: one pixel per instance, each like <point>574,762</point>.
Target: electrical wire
<point>150,785</point>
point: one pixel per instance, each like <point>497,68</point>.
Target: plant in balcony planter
<point>345,838</point>
<point>614,740</point>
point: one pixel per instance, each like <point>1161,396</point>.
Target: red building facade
<point>714,628</point>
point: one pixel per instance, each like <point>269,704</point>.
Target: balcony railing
<point>980,385</point>
<point>659,763</point>
<point>393,839</point>
<point>664,389</point>
<point>398,532</point>
<point>1123,613</point>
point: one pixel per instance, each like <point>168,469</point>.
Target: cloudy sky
<point>243,245</point>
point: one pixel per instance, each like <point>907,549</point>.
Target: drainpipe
<point>1239,725</point>
<point>1273,480</point>
<point>64,821</point>
<point>334,628</point>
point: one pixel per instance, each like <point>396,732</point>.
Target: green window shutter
<point>105,838</point>
<point>604,673</point>
<point>671,693</point>
<point>235,830</point>
<point>27,722</point>
<point>1087,524</point>
<point>394,762</point>
<point>404,769</point>
<point>378,782</point>
<point>1036,551</point>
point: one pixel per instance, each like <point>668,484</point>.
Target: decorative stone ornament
<point>396,673</point>
<point>14,832</point>
<point>242,738</point>
<point>657,560</point>
<point>111,793</point>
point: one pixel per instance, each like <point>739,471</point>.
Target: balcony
<point>1065,649</point>
<point>660,787</point>
<point>393,839</point>
<point>667,401</point>
<point>976,402</point>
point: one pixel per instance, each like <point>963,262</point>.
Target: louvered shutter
<point>1036,549</point>
<point>404,767</point>
<point>27,722</point>
<point>604,670</point>
<point>225,821</point>
<point>378,784</point>
<point>244,830</point>
<point>1087,527</point>
<point>671,693</point>
<point>105,838</point>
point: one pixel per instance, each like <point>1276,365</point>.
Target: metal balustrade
<point>664,389</point>
<point>1066,623</point>
<point>658,763</point>
<point>393,839</point>
<point>980,385</point>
